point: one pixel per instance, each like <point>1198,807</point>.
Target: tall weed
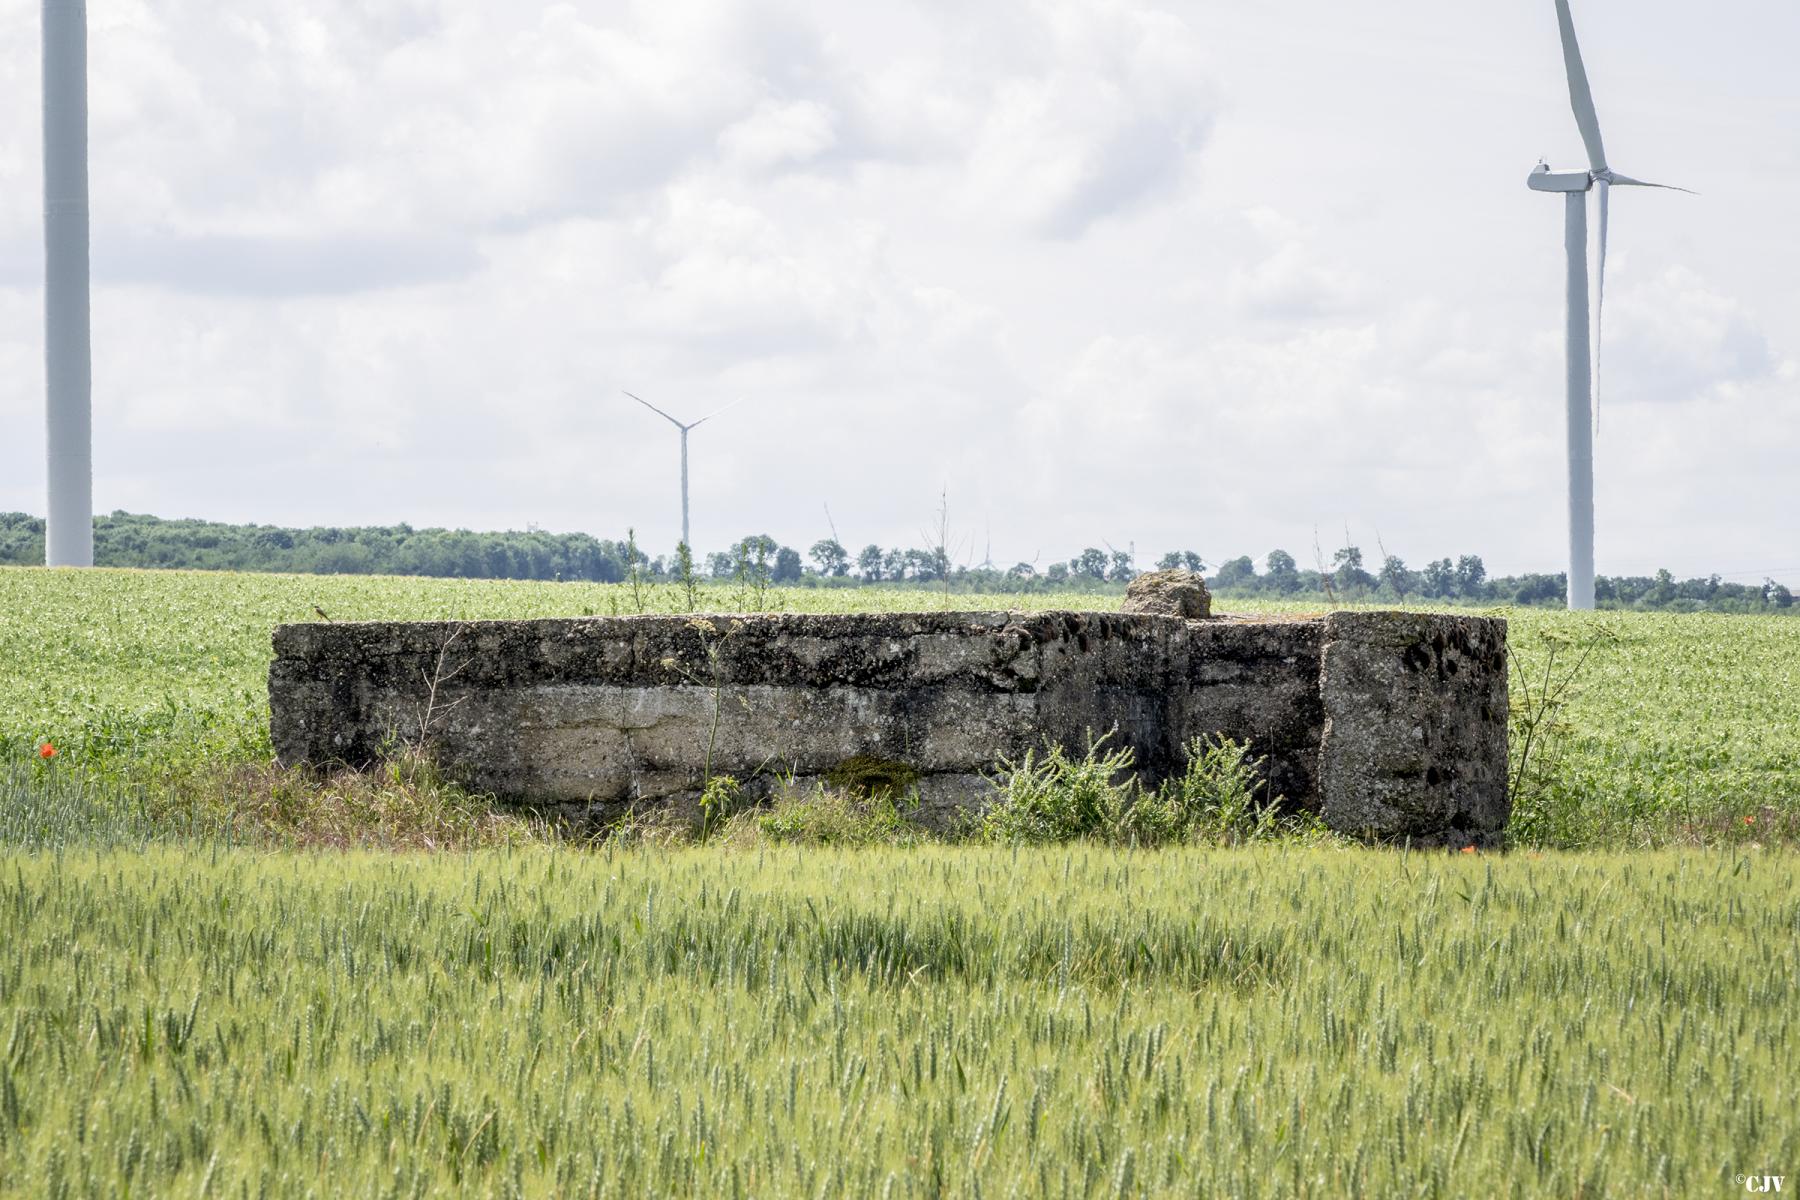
<point>1058,797</point>
<point>1221,799</point>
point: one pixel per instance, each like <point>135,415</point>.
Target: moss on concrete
<point>867,775</point>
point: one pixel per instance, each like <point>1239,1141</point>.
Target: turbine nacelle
<point>1543,179</point>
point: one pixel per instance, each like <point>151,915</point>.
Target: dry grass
<point>402,804</point>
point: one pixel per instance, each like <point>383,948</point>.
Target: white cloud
<point>779,133</point>
<point>1101,113</point>
<point>1290,285</point>
<point>1675,338</point>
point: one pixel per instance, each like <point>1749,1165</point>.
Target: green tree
<point>1283,572</point>
<point>753,566</point>
<point>1347,573</point>
<point>870,563</point>
<point>924,564</point>
<point>1471,576</point>
<point>1238,572</point>
<point>830,557</point>
<point>1663,591</point>
<point>1394,575</point>
<point>1180,560</point>
<point>1089,564</point>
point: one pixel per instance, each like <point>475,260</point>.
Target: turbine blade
<point>715,412</point>
<point>659,412</point>
<point>1600,304</point>
<point>1581,97</point>
<point>1628,181</point>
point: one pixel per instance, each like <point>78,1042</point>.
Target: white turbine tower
<point>1583,366</point>
<point>685,430</point>
<point>68,400</point>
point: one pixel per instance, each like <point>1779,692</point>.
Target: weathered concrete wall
<point>604,713</point>
<point>1414,744</point>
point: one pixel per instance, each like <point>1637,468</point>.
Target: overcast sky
<point>1208,274</point>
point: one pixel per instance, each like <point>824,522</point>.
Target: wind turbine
<point>685,430</point>
<point>68,393</point>
<point>1583,366</point>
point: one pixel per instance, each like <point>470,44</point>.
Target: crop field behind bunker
<point>193,1002</point>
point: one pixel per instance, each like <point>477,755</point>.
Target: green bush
<point>719,800</point>
<point>1060,798</point>
<point>1220,798</point>
<point>828,816</point>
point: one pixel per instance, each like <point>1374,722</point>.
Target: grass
<point>1678,727</point>
<point>934,1021</point>
<point>172,666</point>
<point>207,989</point>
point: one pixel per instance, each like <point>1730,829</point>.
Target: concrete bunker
<point>1389,725</point>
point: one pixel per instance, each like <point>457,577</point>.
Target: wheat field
<point>937,1021</point>
<point>1609,1008</point>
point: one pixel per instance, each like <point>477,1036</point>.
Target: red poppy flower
<point>46,751</point>
<point>1749,820</point>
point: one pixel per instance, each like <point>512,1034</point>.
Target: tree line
<point>1345,578</point>
<point>1465,580</point>
<point>133,540</point>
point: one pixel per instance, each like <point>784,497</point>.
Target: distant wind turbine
<point>68,396</point>
<point>685,430</point>
<point>1583,366</point>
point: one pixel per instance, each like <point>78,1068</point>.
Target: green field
<point>938,1021</point>
<point>1610,1008</point>
<point>1677,727</point>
